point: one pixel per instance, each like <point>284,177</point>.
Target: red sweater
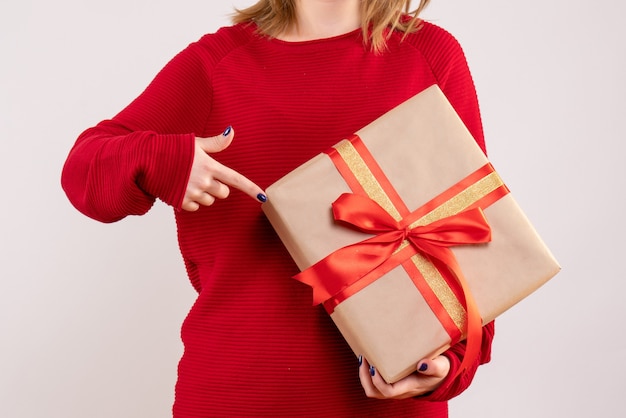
<point>254,346</point>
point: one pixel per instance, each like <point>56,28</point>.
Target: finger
<point>404,388</point>
<point>365,376</point>
<point>437,367</point>
<point>415,384</point>
<point>193,201</point>
<point>232,178</point>
<point>384,389</point>
<point>190,205</point>
<point>217,143</point>
<point>409,387</point>
<point>217,189</point>
<point>205,199</point>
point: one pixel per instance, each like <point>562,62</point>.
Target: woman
<point>291,78</point>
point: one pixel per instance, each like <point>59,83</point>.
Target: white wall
<point>90,313</point>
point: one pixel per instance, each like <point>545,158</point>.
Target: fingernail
<point>360,360</point>
<point>423,367</point>
<point>262,198</point>
<point>227,131</point>
<point>372,371</point>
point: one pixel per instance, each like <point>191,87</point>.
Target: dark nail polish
<point>227,131</point>
<point>372,371</point>
<point>262,198</point>
<point>423,367</point>
<point>360,360</point>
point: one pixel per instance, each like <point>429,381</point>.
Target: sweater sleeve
<point>121,166</point>
<point>449,66</point>
<point>452,387</point>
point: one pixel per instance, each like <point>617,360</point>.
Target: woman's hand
<point>210,180</point>
<point>427,377</point>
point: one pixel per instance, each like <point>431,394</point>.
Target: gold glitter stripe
<point>441,289</point>
<point>364,176</point>
<point>463,200</point>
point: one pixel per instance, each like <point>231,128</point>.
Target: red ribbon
<point>349,264</point>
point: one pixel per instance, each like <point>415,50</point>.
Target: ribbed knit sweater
<point>254,345</point>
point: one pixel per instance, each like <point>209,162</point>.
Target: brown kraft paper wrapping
<point>389,322</point>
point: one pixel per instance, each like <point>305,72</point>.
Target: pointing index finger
<point>237,180</point>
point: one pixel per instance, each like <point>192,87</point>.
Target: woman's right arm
<point>121,166</point>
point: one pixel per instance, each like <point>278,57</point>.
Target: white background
<point>90,313</point>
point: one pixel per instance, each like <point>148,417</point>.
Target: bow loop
<point>363,213</point>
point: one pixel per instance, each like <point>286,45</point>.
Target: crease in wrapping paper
<point>374,320</point>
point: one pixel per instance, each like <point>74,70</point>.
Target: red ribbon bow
<point>349,264</point>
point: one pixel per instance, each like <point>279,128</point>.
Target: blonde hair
<point>377,16</point>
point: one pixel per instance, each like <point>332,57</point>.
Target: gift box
<point>408,236</point>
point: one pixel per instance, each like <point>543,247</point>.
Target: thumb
<point>437,367</point>
<point>217,143</point>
